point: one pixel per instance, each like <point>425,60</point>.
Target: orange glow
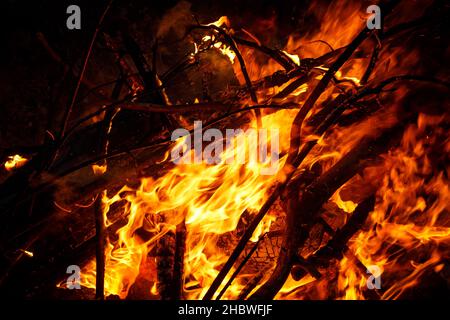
<point>219,23</point>
<point>295,58</point>
<point>99,169</point>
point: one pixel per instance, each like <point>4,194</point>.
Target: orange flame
<point>14,162</point>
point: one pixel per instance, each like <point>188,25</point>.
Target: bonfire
<point>320,168</point>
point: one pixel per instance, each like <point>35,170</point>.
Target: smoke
<point>176,20</point>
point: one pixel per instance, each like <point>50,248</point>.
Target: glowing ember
<point>14,162</point>
<point>99,169</point>
<point>28,253</point>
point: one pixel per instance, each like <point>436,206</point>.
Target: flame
<point>187,193</point>
<point>14,162</point>
<point>99,169</point>
<point>295,58</point>
<point>28,253</point>
<point>223,20</point>
<point>347,206</point>
<point>222,47</point>
<point>403,221</point>
<point>226,51</point>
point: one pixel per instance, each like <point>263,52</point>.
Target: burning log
<point>335,247</point>
<point>100,248</point>
<point>165,265</point>
<point>239,268</point>
<point>178,268</point>
<point>170,263</point>
<point>251,285</point>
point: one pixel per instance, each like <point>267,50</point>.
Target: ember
<point>15,162</point>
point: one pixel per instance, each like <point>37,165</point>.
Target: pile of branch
<point>52,162</point>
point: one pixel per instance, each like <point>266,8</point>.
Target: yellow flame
<point>225,50</point>
<point>223,20</point>
<point>14,162</point>
<point>99,169</point>
<point>347,206</point>
<point>295,58</point>
<point>28,253</point>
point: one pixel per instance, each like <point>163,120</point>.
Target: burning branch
<point>229,39</point>
<point>338,244</point>
<point>312,199</point>
<point>100,248</point>
<point>323,83</point>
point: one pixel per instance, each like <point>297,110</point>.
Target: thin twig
<point>229,39</point>
<point>281,59</point>
<point>239,268</point>
<point>372,62</point>
<point>83,70</point>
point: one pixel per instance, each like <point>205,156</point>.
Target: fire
<point>28,253</point>
<point>411,210</point>
<point>14,162</point>
<point>226,51</point>
<point>295,58</point>
<point>410,220</point>
<point>223,48</point>
<point>223,20</point>
<point>187,193</point>
<point>347,206</point>
<point>403,220</point>
<point>99,169</point>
